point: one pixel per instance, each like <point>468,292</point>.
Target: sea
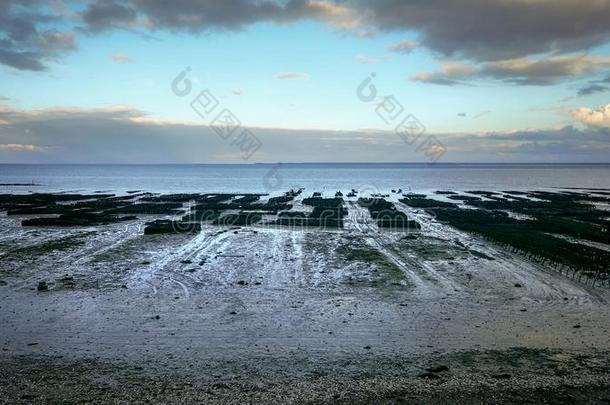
<point>274,179</point>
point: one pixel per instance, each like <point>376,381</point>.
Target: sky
<point>239,81</point>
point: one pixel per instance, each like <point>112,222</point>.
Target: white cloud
<point>335,15</point>
<point>366,34</point>
<point>365,59</point>
<point>17,147</point>
<point>291,75</point>
<point>449,75</point>
<point>599,118</point>
<point>122,58</point>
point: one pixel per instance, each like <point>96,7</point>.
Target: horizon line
<point>431,164</point>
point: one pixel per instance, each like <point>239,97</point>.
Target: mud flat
<point>300,298</point>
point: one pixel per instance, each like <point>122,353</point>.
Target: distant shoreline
<point>329,164</point>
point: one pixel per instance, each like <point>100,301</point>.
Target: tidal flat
<point>465,296</point>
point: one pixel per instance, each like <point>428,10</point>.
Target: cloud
<point>564,144</point>
<point>117,112</point>
<point>451,74</point>
<point>106,15</point>
<point>404,47</point>
<point>70,135</point>
<point>333,14</point>
<point>17,147</point>
<point>592,89</point>
<point>122,58</point>
<point>480,30</point>
<point>544,71</point>
<point>207,15</point>
<point>26,42</point>
<point>468,30</point>
<point>366,34</point>
<point>56,41</point>
<point>365,60</point>
<point>598,118</point>
<point>484,30</point>
<point>291,75</point>
<point>523,71</point>
<point>482,114</point>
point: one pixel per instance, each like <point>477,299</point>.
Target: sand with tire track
<point>301,307</point>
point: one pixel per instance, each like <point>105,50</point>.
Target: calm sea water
<point>326,178</point>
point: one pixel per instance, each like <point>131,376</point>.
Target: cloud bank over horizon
<point>122,134</point>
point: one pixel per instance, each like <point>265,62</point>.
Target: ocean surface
<point>324,177</point>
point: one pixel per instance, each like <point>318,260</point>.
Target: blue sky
<point>99,67</point>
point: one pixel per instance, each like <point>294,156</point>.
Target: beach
<point>275,311</point>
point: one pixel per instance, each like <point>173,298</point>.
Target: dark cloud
<point>522,71</point>
<point>487,30</point>
<point>499,38</point>
<point>22,60</point>
<point>544,71</point>
<point>25,41</point>
<point>104,15</point>
<point>480,30</point>
<point>54,41</point>
<point>592,89</point>
<point>208,15</point>
<point>435,78</point>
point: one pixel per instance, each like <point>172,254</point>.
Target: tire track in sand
<point>164,269</point>
<point>428,285</point>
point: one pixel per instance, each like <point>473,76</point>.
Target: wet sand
<point>292,315</point>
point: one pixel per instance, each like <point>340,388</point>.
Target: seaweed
<point>148,208</point>
<point>60,244</point>
<point>76,219</point>
<point>385,214</point>
<point>464,198</point>
<point>172,197</point>
<point>241,219</point>
<point>531,239</point>
<point>164,226</point>
<point>426,203</point>
<point>326,213</point>
<point>414,195</point>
